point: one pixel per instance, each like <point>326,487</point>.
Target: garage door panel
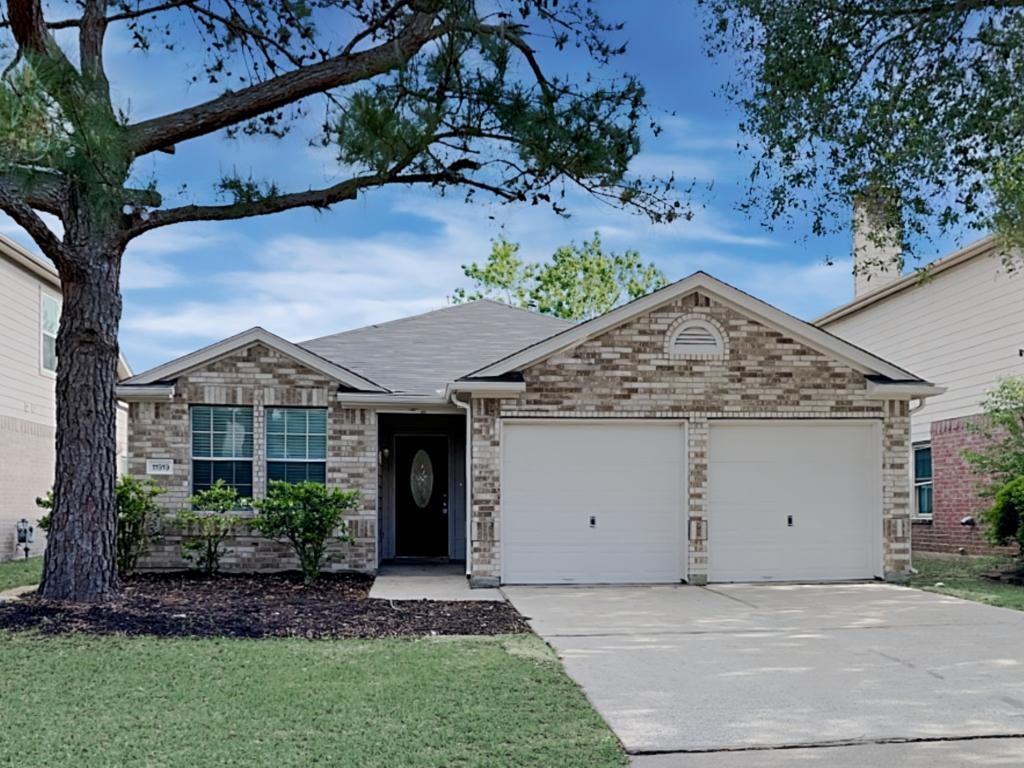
<point>826,476</point>
<point>557,475</point>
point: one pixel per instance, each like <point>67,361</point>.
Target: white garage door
<point>794,502</point>
<point>592,503</point>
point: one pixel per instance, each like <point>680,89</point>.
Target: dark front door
<point>421,496</point>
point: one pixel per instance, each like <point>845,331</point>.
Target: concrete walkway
<point>428,582</point>
<point>16,592</point>
<point>786,672</point>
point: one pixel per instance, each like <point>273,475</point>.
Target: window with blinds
<point>222,447</point>
<point>297,444</point>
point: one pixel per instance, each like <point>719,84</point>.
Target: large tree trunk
<point>80,553</point>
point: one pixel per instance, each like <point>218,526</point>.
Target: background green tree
<point>580,282</point>
<point>920,97</point>
<point>452,94</point>
<point>999,462</point>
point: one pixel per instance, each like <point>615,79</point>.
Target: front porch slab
<point>428,582</point>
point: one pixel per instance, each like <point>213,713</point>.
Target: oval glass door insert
<point>421,478</point>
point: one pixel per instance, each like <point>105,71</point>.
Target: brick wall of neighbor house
<point>955,495</point>
<point>627,373</point>
<point>259,377</point>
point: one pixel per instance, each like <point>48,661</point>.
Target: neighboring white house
<point>30,302</point>
<point>961,326</point>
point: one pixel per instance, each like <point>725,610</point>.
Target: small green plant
<point>1004,520</point>
<point>307,514</point>
<point>207,523</point>
<point>138,520</point>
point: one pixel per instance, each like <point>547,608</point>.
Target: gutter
<point>910,390</point>
<point>465,406</point>
<point>144,393</point>
<point>485,388</point>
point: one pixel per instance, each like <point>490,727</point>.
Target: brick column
<point>259,447</point>
<point>697,493</point>
<point>896,502</point>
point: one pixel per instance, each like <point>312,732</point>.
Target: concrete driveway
<point>703,670</point>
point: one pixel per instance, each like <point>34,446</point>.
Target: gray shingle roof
<point>422,353</point>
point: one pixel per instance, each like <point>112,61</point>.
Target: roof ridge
<point>446,308</point>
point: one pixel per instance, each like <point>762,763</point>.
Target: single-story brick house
<point>696,434</point>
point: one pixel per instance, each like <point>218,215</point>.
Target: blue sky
<point>398,251</point>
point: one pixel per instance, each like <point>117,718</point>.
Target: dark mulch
<point>191,605</point>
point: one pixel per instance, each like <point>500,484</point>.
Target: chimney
<point>877,240</point>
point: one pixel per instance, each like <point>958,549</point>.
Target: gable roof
<point>815,338</point>
<point>983,247</point>
<point>244,339</point>
<point>423,353</point>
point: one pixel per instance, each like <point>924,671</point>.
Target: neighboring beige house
<point>961,326</point>
<point>696,434</point>
<point>30,301</point>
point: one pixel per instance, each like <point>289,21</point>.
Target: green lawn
<point>961,578</point>
<point>19,573</point>
<point>89,701</point>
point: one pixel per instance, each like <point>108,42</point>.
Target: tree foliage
<point>844,96</point>
<point>580,282</point>
<point>454,95</point>
<point>307,515</point>
<point>999,462</point>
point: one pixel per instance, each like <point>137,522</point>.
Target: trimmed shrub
<point>138,520</point>
<point>1004,520</point>
<point>212,517</point>
<point>307,515</point>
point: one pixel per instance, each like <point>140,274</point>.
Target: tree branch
<point>237,106</point>
<point>14,205</point>
<point>318,199</point>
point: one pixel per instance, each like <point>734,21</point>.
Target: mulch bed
<point>191,605</point>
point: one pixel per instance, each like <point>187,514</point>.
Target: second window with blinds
<point>297,444</point>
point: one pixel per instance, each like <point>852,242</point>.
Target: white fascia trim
<point>913,390</point>
<point>813,337</point>
<point>486,388</point>
<point>244,339</point>
<point>982,247</point>
<point>144,394</point>
<point>385,399</point>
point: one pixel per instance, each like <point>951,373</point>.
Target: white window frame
<point>919,483</point>
<point>43,333</point>
<point>267,461</point>
<point>191,446</point>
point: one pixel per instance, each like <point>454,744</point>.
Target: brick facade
<point>259,377</point>
<point>628,373</point>
<point>955,495</point>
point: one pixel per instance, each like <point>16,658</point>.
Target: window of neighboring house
<point>49,320</point>
<point>923,480</point>
<point>222,447</point>
<point>297,444</point>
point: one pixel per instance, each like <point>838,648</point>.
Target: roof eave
<point>813,337</point>
<point>240,341</point>
<point>980,247</point>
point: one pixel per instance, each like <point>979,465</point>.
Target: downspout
<point>465,406</point>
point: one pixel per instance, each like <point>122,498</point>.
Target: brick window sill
<point>921,521</point>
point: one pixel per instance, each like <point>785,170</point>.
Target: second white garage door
<point>592,503</point>
<point>794,502</point>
